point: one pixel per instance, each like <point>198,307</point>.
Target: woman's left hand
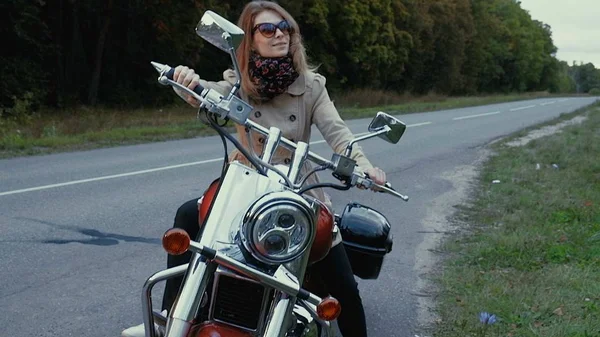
<point>377,175</point>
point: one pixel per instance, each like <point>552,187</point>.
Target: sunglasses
<point>269,29</point>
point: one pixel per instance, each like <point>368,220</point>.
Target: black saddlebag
<point>367,239</point>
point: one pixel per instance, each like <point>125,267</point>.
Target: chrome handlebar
<point>237,110</point>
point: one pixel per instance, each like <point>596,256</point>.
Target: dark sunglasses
<point>269,29</point>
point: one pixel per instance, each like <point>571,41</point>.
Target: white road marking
<point>523,108</point>
<point>548,103</point>
<point>75,182</point>
<point>475,116</point>
<point>157,169</point>
<point>418,124</point>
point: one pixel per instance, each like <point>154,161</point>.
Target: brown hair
<point>246,23</point>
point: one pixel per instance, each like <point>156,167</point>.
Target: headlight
<point>278,227</point>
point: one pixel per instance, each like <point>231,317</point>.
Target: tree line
<point>67,52</point>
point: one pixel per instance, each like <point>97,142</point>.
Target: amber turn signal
<point>329,309</point>
<point>176,241</point>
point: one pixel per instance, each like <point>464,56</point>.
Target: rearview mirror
<point>219,32</point>
<point>225,36</point>
<point>383,126</point>
<point>396,127</point>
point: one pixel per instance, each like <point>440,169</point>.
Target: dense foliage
<point>66,52</point>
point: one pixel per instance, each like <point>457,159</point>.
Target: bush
<point>595,92</point>
<point>23,109</point>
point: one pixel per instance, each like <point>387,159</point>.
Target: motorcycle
<point>260,231</point>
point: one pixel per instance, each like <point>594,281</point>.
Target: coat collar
<point>298,87</point>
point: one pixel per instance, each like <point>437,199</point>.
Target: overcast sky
<point>575,27</point>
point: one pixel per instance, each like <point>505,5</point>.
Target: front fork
<point>186,306</point>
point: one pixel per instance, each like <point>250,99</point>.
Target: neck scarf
<point>272,75</point>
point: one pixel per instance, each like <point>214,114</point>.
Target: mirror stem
<point>379,131</point>
<point>236,68</point>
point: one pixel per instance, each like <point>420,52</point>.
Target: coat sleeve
<point>327,119</point>
<point>224,86</point>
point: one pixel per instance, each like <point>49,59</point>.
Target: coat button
<point>292,118</point>
<point>257,114</point>
<point>287,161</point>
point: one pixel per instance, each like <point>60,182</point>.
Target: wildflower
<point>487,318</point>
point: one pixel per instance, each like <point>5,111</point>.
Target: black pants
<point>334,270</point>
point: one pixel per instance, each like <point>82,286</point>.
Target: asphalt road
<point>80,231</point>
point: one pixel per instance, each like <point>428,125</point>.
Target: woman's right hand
<point>188,78</point>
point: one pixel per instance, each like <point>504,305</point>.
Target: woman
<point>287,94</point>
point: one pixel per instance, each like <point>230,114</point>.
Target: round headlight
<point>278,229</point>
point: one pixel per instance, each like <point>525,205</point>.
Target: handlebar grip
<point>198,89</point>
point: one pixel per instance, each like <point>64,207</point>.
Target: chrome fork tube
<point>280,315</point>
<point>186,306</point>
<point>300,156</point>
<point>271,144</point>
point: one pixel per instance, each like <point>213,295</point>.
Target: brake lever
<point>385,188</point>
<point>386,185</point>
<point>391,191</point>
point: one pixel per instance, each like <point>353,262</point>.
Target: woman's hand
<point>188,78</point>
<point>377,175</point>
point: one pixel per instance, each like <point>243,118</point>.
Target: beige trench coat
<point>306,102</point>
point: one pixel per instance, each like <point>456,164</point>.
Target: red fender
<point>324,236</point>
<point>206,200</point>
<point>211,329</point>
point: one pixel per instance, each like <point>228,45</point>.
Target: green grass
<point>85,128</point>
<point>82,128</point>
<point>528,248</point>
<point>15,144</point>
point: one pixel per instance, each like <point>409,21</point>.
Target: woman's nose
<point>278,32</point>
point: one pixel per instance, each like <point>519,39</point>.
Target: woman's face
<point>277,45</point>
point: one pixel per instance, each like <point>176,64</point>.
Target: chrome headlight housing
<point>278,227</point>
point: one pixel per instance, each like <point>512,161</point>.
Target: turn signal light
<point>329,309</point>
<point>176,241</point>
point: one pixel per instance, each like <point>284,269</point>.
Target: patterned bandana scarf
<point>272,75</point>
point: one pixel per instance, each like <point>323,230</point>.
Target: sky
<point>575,27</point>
